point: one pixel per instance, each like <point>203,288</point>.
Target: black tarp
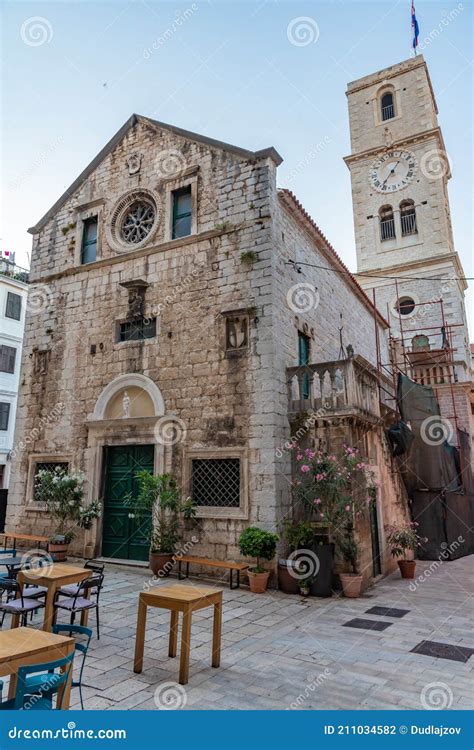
<point>447,520</point>
<point>432,463</point>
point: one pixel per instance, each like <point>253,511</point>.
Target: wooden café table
<point>185,599</point>
<point>53,577</point>
<point>23,646</point>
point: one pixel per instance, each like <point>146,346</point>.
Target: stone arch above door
<point>144,396</point>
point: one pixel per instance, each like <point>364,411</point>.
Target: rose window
<point>137,222</point>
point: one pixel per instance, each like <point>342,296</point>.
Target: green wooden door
<point>122,536</point>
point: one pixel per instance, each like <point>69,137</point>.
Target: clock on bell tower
<point>399,174</point>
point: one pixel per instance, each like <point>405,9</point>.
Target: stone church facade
<point>182,306</point>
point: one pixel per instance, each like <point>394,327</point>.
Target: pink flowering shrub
<point>335,490</point>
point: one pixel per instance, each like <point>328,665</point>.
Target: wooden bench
<point>227,564</point>
<point>22,538</point>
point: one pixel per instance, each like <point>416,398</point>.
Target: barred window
<point>137,330</point>
<point>215,482</point>
<point>61,467</point>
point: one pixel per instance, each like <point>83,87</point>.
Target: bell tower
<point>399,173</point>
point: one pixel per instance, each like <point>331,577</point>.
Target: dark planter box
<point>322,586</point>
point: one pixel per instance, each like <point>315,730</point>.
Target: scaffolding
<point>411,354</point>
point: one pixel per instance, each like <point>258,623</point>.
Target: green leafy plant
<point>258,543</point>
<point>403,538</point>
<point>299,534</point>
<point>63,495</point>
<point>249,257</point>
<point>159,497</point>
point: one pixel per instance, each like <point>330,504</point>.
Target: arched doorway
<point>122,443</point>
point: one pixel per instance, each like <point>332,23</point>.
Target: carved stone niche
<point>136,298</point>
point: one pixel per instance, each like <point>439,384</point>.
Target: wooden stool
<point>185,599</point>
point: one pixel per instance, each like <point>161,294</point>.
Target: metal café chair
<point>79,603</point>
<point>17,602</point>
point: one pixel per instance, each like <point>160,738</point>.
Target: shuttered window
<point>4,415</point>
<point>7,359</point>
<point>13,306</point>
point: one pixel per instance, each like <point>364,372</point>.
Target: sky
<point>244,72</point>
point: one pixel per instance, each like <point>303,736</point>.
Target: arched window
<point>387,224</point>
<point>408,217</point>
<point>405,305</point>
<point>387,106</point>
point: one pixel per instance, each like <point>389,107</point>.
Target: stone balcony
<point>339,389</point>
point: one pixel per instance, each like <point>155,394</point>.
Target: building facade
<point>175,309</point>
<point>13,299</point>
<point>399,171</point>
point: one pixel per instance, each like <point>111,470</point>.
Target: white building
<point>13,295</point>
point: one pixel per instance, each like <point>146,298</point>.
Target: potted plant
<point>351,582</point>
<point>300,536</point>
<point>258,543</point>
<point>159,497</point>
<point>401,540</point>
<point>63,495</point>
<point>305,585</point>
<point>335,490</point>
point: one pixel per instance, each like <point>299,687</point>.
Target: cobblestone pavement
<point>281,652</point>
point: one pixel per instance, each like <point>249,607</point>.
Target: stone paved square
<point>285,652</point>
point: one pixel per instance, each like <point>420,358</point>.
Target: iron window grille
<point>61,467</point>
<point>215,482</point>
<point>137,330</point>
<point>387,229</point>
<point>13,309</point>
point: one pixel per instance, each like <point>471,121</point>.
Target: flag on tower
<point>415,27</point>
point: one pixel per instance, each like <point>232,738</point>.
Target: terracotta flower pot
<point>161,563</point>
<point>351,584</point>
<point>407,568</point>
<point>58,551</point>
<point>258,581</point>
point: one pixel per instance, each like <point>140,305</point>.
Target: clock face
<point>393,171</point>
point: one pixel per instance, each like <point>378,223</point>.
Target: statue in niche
<point>388,137</point>
<point>126,406</point>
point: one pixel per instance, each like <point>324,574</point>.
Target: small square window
<point>13,306</point>
<point>137,330</point>
<point>4,415</point>
<point>182,212</point>
<point>89,240</point>
<point>215,482</point>
<point>7,359</point>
